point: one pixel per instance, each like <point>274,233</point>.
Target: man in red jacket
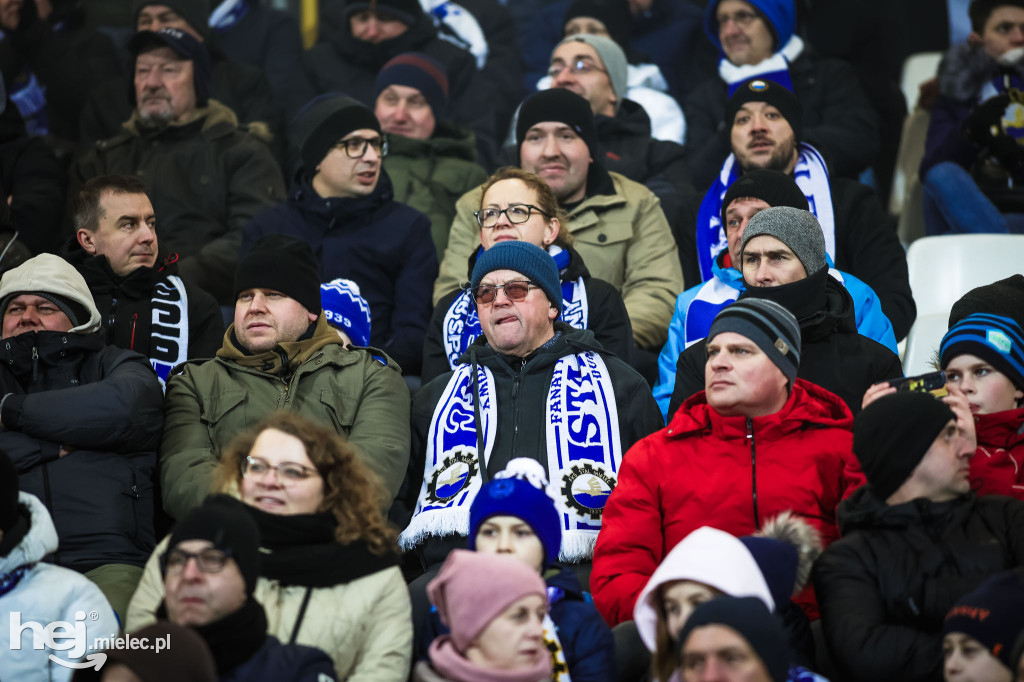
<point>756,442</point>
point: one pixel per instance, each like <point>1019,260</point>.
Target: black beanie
<point>769,92</point>
<point>563,106</point>
<point>406,11</point>
<point>750,618</point>
<point>196,13</point>
<point>281,263</point>
<point>1005,297</point>
<point>225,522</point>
<point>185,46</point>
<point>8,493</point>
<point>614,14</point>
<point>892,434</point>
<point>324,121</point>
<point>773,187</point>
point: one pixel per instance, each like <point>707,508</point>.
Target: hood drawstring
<point>35,363</point>
<point>131,344</point>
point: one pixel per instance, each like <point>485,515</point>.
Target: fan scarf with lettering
<point>584,452</point>
<point>168,338</point>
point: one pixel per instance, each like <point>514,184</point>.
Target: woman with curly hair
<point>330,575</point>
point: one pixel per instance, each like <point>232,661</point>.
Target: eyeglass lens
<point>516,291</point>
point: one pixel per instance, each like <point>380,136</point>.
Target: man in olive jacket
<point>280,353</point>
<point>206,175</point>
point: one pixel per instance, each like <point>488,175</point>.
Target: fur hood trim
<point>788,528</point>
<point>965,69</point>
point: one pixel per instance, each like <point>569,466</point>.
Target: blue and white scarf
<point>584,452</point>
<point>228,14</point>
<point>168,344</point>
<point>811,176</point>
<point>461,325</point>
<point>775,68</point>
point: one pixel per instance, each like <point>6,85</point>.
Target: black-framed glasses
<point>516,291</point>
<point>517,214</point>
<point>210,560</point>
<point>355,147</point>
<point>576,66</point>
<point>287,472</point>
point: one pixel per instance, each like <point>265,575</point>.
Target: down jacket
<point>884,589</point>
<point>358,392</point>
<point>624,239</point>
<point>730,472</point>
<point>997,467</point>
<point>44,594</point>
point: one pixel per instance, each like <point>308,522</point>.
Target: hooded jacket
<point>207,178</point>
<point>44,594</point>
<point>69,392</point>
<point>884,589</point>
<point>997,467</point>
<point>358,392</point>
<point>380,244</point>
<point>736,471</point>
<point>834,355</point>
<point>607,317</point>
<point>623,237</point>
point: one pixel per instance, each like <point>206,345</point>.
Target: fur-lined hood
<point>965,69</point>
<point>788,528</point>
<point>53,275</point>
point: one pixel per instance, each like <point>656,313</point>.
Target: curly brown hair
<point>352,492</point>
<point>546,200</point>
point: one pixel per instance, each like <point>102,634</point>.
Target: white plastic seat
<point>942,269</point>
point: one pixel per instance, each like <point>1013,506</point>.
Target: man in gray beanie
<point>538,388</point>
<point>783,259</point>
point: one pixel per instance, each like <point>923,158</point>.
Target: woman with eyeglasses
<point>518,205</point>
<point>330,574</point>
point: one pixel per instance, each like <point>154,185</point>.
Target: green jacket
<point>207,178</point>
<point>430,175</point>
<point>209,402</point>
<point>624,239</point>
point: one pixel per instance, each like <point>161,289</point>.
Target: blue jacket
<point>276,662</point>
<point>692,319</point>
<point>383,246</point>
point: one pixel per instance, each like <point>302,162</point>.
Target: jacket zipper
<point>49,504</point>
<point>753,470</point>
<point>35,364</point>
<point>515,410</point>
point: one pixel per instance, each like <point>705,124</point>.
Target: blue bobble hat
<point>346,309</point>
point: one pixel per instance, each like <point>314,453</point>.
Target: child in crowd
<point>979,632</point>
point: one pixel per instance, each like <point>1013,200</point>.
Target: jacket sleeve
<point>946,140</point>
<point>590,649</point>
<point>463,238</point>
<point>149,594</point>
<point>609,319</point>
<point>412,297</point>
<point>864,645</point>
<point>381,426</point>
<point>871,320</point>
<point>653,276</point>
<point>122,412</point>
<point>670,352</point>
<point>206,325</point>
<point>435,361</point>
<point>388,635</point>
<point>186,450</point>
<point>689,376</point>
<point>629,546</point>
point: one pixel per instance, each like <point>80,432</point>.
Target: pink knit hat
<point>473,589</point>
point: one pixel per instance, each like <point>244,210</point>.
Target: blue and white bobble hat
<point>995,339</point>
<point>346,309</point>
<point>521,491</point>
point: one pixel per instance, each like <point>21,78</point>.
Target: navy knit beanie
<point>993,614</point>
<point>531,261</point>
<point>778,562</point>
<point>417,70</point>
<point>769,92</point>
<point>563,106</point>
<point>185,46</point>
<point>771,327</point>
<point>995,339</point>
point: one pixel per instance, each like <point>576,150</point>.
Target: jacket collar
<point>283,358</point>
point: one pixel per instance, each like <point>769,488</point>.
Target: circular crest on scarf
<point>452,477</point>
<point>585,489</point>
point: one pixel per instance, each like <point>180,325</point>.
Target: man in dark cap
<point>733,639</point>
<point>205,175</point>
<point>766,130</point>
<point>342,204</point>
<point>210,570</point>
<point>280,353</point>
<point>915,539</point>
<point>618,226</point>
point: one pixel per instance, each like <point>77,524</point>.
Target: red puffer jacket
<point>997,467</point>
<point>731,473</point>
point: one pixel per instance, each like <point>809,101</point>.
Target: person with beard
<point>330,575</point>
<point>206,175</point>
<point>766,128</point>
<point>146,306</point>
<point>210,570</point>
<point>783,260</point>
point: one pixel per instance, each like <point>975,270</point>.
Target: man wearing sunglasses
<point>342,204</point>
<point>531,386</point>
<point>210,571</point>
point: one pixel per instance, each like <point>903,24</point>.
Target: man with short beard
<point>205,174</point>
<point>766,132</point>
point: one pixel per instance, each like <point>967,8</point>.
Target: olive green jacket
<point>430,175</point>
<point>623,238</point>
<point>209,402</point>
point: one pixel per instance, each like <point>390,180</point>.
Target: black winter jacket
<point>833,354</point>
<point>607,318</point>
<point>71,391</point>
<point>383,246</point>
<point>886,586</point>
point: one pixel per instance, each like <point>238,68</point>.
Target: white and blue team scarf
<point>584,452</point>
<point>775,68</point>
<point>227,14</point>
<point>811,176</point>
<point>168,342</point>
<point>461,325</point>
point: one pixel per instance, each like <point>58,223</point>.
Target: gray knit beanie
<point>771,327</point>
<point>799,230</point>
<point>614,61</point>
